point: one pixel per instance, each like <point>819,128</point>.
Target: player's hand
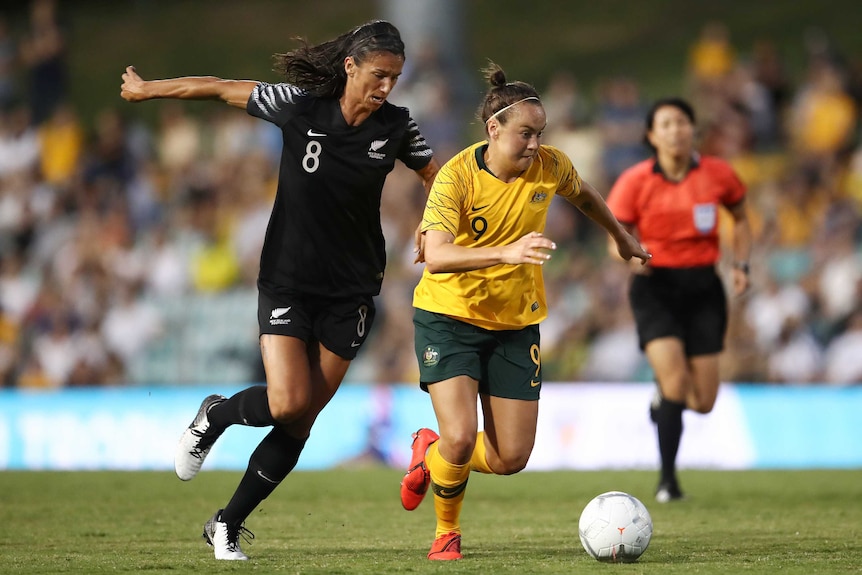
<point>419,245</point>
<point>132,89</point>
<point>629,248</point>
<point>741,282</point>
<point>530,249</point>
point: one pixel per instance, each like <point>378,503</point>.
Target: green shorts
<point>505,363</point>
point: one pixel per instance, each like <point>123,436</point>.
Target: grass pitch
<point>351,521</point>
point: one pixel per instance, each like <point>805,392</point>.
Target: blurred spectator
<point>772,307</point>
<point>425,88</point>
<point>712,56</point>
<point>823,118</point>
<point>61,145</point>
<point>179,142</point>
<point>55,350</point>
<point>770,72</point>
<point>43,51</point>
<point>130,323</point>
<point>168,267</point>
<point>19,142</point>
<point>843,358</point>
<point>9,338</point>
<point>8,60</point>
<point>840,274</point>
<point>109,164</point>
<point>797,356</point>
<point>18,286</point>
<point>565,105</point>
<point>620,119</point>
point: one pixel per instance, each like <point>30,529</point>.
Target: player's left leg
<point>448,459</point>
<point>510,432</point>
<point>510,401</point>
<point>704,383</point>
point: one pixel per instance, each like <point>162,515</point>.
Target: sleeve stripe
<point>270,97</point>
<point>418,147</point>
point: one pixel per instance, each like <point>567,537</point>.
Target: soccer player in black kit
<point>323,257</point>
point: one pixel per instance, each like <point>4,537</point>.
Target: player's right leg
<point>670,365</point>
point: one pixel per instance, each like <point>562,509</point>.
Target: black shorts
<point>340,324</point>
<point>506,363</point>
<point>687,303</point>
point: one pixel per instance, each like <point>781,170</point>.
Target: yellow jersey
<point>480,210</point>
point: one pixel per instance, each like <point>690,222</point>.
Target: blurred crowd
<point>129,249</point>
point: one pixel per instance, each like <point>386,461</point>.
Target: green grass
<point>344,521</point>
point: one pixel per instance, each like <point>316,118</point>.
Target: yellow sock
<point>448,482</point>
<point>479,462</point>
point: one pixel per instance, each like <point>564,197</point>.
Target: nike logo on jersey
<point>535,383</point>
<point>355,344</point>
<point>312,134</point>
<point>475,209</point>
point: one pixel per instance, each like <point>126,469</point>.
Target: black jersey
<point>324,235</point>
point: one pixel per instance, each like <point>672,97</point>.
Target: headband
<point>503,109</point>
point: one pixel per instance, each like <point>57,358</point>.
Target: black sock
<point>669,426</point>
<point>274,458</point>
<point>248,407</point>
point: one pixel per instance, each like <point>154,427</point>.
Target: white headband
<point>503,109</point>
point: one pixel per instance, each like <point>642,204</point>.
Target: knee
<point>458,448</point>
<point>287,407</point>
<point>511,465</point>
<point>700,406</point>
<point>675,388</point>
<point>702,399</point>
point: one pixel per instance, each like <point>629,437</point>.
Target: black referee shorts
<point>686,303</point>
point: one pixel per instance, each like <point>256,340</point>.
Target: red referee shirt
<point>677,222</point>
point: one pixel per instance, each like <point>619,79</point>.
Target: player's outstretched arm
<point>232,92</point>
<point>591,203</point>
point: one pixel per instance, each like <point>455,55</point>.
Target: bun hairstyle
<point>319,68</point>
<point>503,95</point>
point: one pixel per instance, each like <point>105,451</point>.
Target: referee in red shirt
<point>671,203</point>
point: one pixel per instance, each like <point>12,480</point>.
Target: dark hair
<point>674,101</point>
<point>502,94</point>
<point>320,68</point>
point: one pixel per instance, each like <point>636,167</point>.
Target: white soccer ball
<point>615,527</point>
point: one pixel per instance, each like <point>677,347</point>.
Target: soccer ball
<point>615,527</point>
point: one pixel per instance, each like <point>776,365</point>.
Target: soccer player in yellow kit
<point>481,298</point>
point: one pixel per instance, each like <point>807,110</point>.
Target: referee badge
<point>704,217</point>
<point>430,357</point>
